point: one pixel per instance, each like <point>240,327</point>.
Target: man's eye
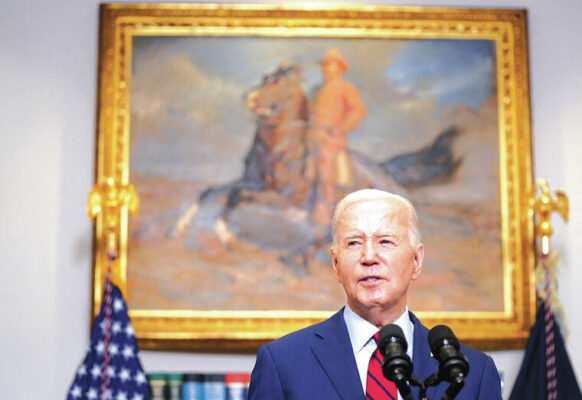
<point>353,243</point>
<point>386,242</point>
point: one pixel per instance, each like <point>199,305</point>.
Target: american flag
<point>111,369</point>
<point>546,372</point>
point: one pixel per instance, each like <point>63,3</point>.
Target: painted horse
<point>270,204</point>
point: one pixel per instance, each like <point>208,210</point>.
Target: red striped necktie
<point>377,386</point>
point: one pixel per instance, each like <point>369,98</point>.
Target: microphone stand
<point>454,388</point>
<point>433,380</point>
<point>402,385</point>
<point>415,381</point>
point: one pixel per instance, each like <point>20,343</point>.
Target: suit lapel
<point>333,350</point>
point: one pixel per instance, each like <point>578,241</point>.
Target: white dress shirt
<point>363,344</point>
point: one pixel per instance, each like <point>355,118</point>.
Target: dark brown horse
<point>279,152</point>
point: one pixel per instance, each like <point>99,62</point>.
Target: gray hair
<point>375,194</point>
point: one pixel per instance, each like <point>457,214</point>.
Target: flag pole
<point>544,205</point>
<point>107,200</point>
<point>111,368</point>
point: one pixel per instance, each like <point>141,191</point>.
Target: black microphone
<point>453,365</point>
<point>397,366</point>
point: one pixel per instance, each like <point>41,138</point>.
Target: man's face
<point>373,258</point>
<point>331,69</point>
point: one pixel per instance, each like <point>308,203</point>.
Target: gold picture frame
<point>243,330</point>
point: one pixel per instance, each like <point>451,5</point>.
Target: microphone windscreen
<point>440,333</point>
<point>391,333</point>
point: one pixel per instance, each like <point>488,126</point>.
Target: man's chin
<point>372,305</point>
<point>377,305</point>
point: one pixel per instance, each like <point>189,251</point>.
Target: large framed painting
<point>224,120</point>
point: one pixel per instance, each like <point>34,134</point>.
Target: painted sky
<point>451,72</point>
<point>188,94</point>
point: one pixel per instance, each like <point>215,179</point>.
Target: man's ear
<point>334,263</point>
<point>418,259</point>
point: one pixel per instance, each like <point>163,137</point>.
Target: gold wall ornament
<point>544,206</point>
<point>108,198</point>
<point>108,203</point>
<point>162,326</point>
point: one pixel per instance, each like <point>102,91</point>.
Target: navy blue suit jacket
<point>318,363</point>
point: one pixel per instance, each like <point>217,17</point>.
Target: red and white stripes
<point>105,378</point>
<point>551,379</point>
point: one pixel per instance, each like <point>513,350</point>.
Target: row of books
<point>197,386</point>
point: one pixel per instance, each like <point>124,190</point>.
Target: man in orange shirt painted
<point>336,111</point>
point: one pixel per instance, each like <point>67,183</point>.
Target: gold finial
<point>544,205</point>
<point>107,198</point>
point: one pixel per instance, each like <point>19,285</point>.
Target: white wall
<point>48,58</point>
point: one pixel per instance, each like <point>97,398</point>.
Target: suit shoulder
<point>473,353</point>
<point>301,336</point>
<point>304,337</point>
<point>480,364</point>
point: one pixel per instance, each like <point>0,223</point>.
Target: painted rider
<point>337,110</point>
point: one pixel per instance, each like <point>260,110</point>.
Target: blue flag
<point>111,369</point>
<point>531,383</point>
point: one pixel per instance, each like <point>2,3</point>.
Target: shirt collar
<point>361,330</point>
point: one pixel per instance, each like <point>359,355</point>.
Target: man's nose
<point>369,253</point>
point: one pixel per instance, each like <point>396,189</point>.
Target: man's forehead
<point>382,215</point>
<point>358,233</point>
<point>387,207</point>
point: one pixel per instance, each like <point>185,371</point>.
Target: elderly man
<point>376,254</point>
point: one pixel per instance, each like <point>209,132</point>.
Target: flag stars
<point>116,328</point>
<point>92,394</point>
<point>82,370</point>
<point>95,371</point>
<point>121,396</point>
<point>140,378</point>
<point>111,358</point>
<point>127,352</point>
<point>76,391</point>
<point>117,305</point>
<point>124,375</point>
<point>113,349</point>
<point>129,330</point>
<point>100,347</point>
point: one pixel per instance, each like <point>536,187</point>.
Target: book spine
<point>193,387</point>
<point>237,385</point>
<point>158,386</point>
<point>237,391</point>
<point>174,390</point>
<point>214,387</point>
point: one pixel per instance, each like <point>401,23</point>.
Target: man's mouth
<point>371,279</point>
